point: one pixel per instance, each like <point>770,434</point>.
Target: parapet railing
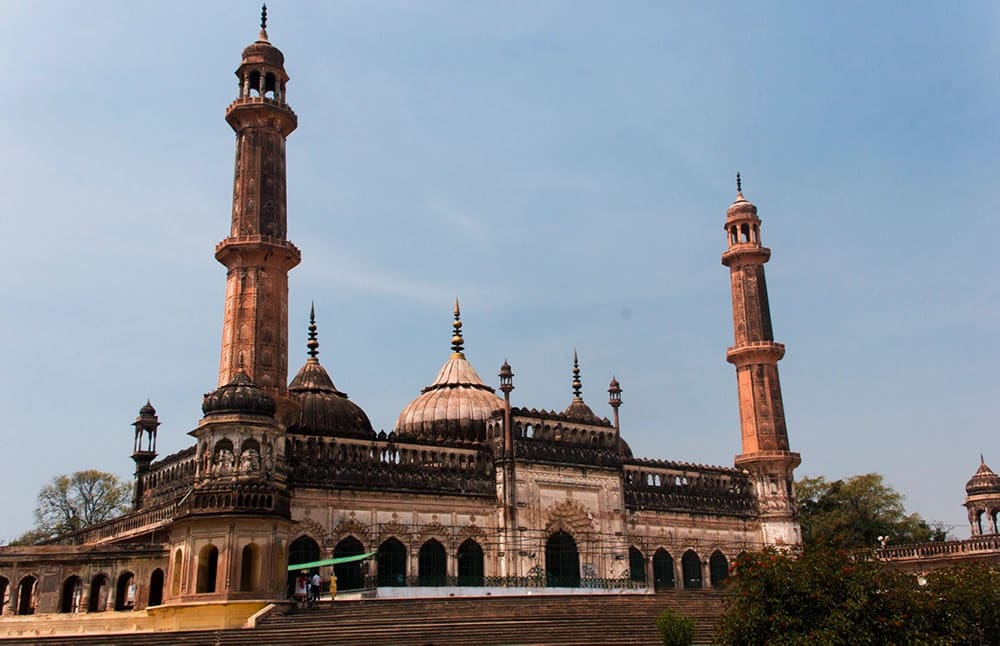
<point>974,545</point>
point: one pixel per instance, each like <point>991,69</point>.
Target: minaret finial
<point>313,342</point>
<point>739,184</point>
<point>457,342</point>
<point>263,22</point>
<point>577,385</point>
<point>981,459</point>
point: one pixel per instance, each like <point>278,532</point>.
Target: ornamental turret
<point>766,456</point>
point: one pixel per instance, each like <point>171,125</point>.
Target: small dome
<point>456,405</point>
<point>324,410</point>
<point>983,481</point>
<point>578,409</point>
<point>147,410</point>
<point>741,208</point>
<point>238,396</point>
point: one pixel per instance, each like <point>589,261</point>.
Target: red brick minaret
<point>755,354</point>
<point>257,254</point>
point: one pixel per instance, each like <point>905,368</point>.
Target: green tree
<point>71,502</point>
<point>856,511</point>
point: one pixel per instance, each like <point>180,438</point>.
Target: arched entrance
<point>562,561</point>
<point>4,584</point>
<point>302,550</point>
<point>72,594</point>
<point>98,601</point>
<point>663,570</point>
<point>125,592</point>
<point>156,588</point>
<point>432,564</point>
<point>348,574</point>
<point>26,596</point>
<point>391,559</point>
<point>470,563</point>
<point>718,568</point>
<point>691,568</point>
<point>636,565</point>
<point>250,568</point>
<point>208,566</point>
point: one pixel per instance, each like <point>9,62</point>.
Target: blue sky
<point>561,167</point>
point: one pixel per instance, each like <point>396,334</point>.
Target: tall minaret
<point>755,354</point>
<point>257,254</point>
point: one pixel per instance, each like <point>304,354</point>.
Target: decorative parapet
<point>977,546</point>
<point>659,485</point>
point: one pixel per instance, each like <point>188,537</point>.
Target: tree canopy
<point>855,512</point>
<point>71,502</point>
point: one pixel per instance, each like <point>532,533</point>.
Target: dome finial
<point>981,459</point>
<point>577,385</point>
<point>739,185</point>
<point>263,22</point>
<point>313,342</point>
<point>457,342</point>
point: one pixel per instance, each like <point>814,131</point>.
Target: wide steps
<point>540,620</point>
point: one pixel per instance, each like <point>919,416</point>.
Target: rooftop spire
<point>457,342</point>
<point>739,186</point>
<point>313,342</point>
<point>263,22</point>
<point>577,386</point>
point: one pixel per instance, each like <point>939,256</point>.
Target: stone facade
<point>466,491</point>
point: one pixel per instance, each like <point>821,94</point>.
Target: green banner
<point>338,561</point>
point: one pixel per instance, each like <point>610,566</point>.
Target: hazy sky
<point>564,169</point>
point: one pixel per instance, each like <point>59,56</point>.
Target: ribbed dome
<point>238,396</point>
<point>455,406</point>
<point>147,410</point>
<point>324,410</point>
<point>983,481</point>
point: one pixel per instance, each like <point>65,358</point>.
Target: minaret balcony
<point>745,253</point>
<point>254,248</point>
<point>261,112</point>
<point>755,352</point>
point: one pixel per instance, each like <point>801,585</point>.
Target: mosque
<point>467,491</point>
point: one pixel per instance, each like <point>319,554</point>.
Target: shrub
<point>675,629</point>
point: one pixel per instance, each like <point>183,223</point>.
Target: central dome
<point>455,406</point>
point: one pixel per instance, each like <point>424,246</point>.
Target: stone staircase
<point>578,620</point>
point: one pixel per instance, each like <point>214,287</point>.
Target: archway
<point>155,588</point>
<point>691,568</point>
<point>249,568</point>
<point>208,566</point>
<point>470,563</point>
<point>432,564</point>
<point>718,568</point>
<point>348,574</point>
<point>72,594</point>
<point>302,550</point>
<point>98,600</point>
<point>663,570</point>
<point>562,561</point>
<point>4,584</point>
<point>391,559</point>
<point>125,592</point>
<point>636,565</point>
<point>26,596</point>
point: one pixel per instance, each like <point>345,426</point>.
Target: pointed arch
<point>176,569</point>
<point>348,574</point>
<point>562,561</point>
<point>125,592</point>
<point>432,563</point>
<point>250,567</point>
<point>98,600</point>
<point>663,570</point>
<point>470,563</point>
<point>302,550</point>
<point>691,568</point>
<point>25,603</point>
<point>636,565</point>
<point>155,588</point>
<point>72,594</point>
<point>718,568</point>
<point>4,588</point>
<point>391,560</point>
<point>208,566</point>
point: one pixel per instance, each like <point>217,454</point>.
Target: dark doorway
<point>72,594</point>
<point>4,584</point>
<point>348,574</point>
<point>208,565</point>
<point>26,596</point>
<point>636,565</point>
<point>249,568</point>
<point>691,568</point>
<point>391,559</point>
<point>302,550</point>
<point>470,563</point>
<point>663,570</point>
<point>125,592</point>
<point>98,594</point>
<point>562,561</point>
<point>156,588</point>
<point>718,568</point>
<point>432,565</point>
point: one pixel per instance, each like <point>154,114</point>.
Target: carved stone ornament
<point>569,517</point>
<point>313,529</point>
